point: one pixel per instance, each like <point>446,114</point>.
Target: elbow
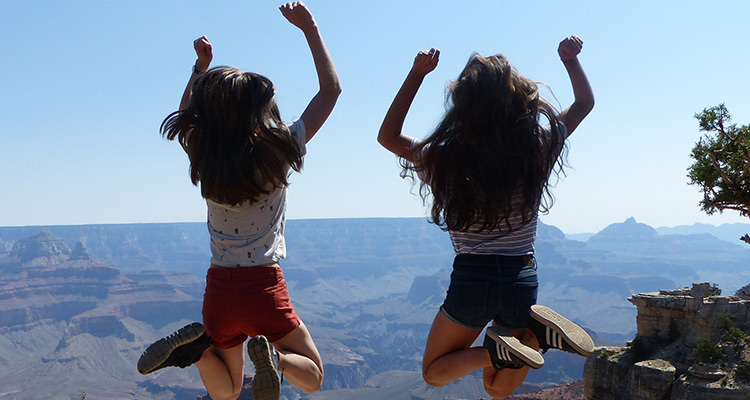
<point>590,104</point>
<point>389,145</point>
<point>585,105</point>
<point>381,139</point>
<point>385,139</point>
<point>329,91</point>
<point>333,90</point>
<point>337,88</point>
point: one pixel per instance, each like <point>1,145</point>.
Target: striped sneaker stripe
<point>554,339</point>
<point>506,354</point>
<point>503,352</point>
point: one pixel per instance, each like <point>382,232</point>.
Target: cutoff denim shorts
<point>486,288</point>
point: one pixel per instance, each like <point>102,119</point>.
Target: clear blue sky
<point>85,87</point>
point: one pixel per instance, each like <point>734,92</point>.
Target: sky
<point>85,87</point>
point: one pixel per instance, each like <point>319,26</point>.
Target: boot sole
<point>527,354</point>
<point>568,330</point>
<point>158,352</point>
<point>266,382</point>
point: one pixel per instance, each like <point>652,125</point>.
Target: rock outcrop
<point>691,345</point>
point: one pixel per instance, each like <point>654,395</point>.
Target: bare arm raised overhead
<point>572,116</point>
<point>321,105</point>
<point>205,54</point>
<point>390,135</point>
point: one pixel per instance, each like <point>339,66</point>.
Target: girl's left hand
<point>426,61</point>
<point>204,51</point>
<point>298,15</point>
<point>569,48</point>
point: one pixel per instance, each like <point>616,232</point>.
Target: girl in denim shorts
<point>487,166</point>
<point>242,154</point>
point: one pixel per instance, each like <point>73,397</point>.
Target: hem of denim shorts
<point>510,328</point>
<point>455,321</point>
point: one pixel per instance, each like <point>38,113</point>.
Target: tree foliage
<point>706,351</point>
<point>722,162</point>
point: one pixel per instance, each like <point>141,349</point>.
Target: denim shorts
<point>486,288</point>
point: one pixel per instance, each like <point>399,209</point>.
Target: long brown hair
<point>239,149</point>
<point>490,150</point>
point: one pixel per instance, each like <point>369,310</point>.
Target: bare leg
<point>221,371</point>
<point>299,360</point>
<point>448,354</point>
<point>501,384</point>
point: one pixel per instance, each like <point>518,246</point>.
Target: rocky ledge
<point>692,344</point>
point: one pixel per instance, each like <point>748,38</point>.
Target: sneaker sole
<point>266,382</point>
<point>158,352</point>
<point>520,350</point>
<point>568,330</point>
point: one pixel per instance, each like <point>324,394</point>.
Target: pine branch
<point>730,184</point>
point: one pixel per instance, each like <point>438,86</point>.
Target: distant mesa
<point>630,229</point>
<point>47,257</point>
<point>42,245</point>
<point>550,233</point>
<point>80,252</point>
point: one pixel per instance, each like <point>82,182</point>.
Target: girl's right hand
<point>204,52</point>
<point>426,61</point>
<point>298,14</point>
<point>569,48</point>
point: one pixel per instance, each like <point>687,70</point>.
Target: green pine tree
<point>721,166</point>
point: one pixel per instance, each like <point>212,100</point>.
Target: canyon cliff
<point>692,344</point>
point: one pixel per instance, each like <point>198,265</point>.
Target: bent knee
<point>314,386</point>
<point>232,396</point>
<point>498,393</point>
<point>432,380</point>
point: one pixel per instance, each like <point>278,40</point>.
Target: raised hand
<point>204,51</point>
<point>426,61</point>
<point>569,48</point>
<point>297,14</point>
<point>390,134</point>
<point>321,105</point>
<point>572,116</point>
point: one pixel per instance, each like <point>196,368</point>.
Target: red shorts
<point>247,301</point>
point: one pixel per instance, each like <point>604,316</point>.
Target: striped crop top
<point>514,241</point>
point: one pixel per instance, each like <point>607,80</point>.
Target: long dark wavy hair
<point>239,149</point>
<point>490,150</point>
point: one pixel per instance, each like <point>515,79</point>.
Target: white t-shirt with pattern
<point>251,234</point>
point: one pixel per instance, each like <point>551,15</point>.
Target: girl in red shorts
<point>242,153</point>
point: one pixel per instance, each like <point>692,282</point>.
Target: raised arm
<point>568,50</point>
<point>321,105</point>
<point>205,54</point>
<point>390,135</point>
